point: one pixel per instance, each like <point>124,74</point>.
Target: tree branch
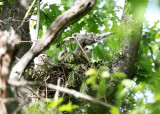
<point>83,51</point>
<point>38,20</point>
<point>26,14</point>
<point>57,92</point>
<point>8,42</point>
<point>62,89</point>
<point>56,28</point>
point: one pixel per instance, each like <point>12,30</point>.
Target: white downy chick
<point>40,60</point>
<point>62,54</point>
<point>88,50</point>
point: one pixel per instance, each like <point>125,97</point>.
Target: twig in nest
<point>54,52</point>
<point>75,56</point>
<point>83,51</point>
<point>71,47</point>
<point>46,91</point>
<point>57,92</point>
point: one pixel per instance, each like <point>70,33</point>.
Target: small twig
<point>8,100</point>
<point>46,91</point>
<point>107,34</point>
<point>77,94</point>
<point>19,20</point>
<point>26,14</point>
<point>33,19</point>
<point>55,52</point>
<point>38,20</point>
<point>83,51</point>
<point>57,92</point>
<point>26,41</point>
<point>71,47</point>
<point>78,57</point>
<point>17,58</point>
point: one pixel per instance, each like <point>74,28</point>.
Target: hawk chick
<point>88,50</point>
<point>85,39</point>
<point>40,60</point>
<point>62,54</point>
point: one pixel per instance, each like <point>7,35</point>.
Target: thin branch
<point>8,100</point>
<point>38,20</point>
<point>33,19</point>
<point>26,14</point>
<point>83,50</point>
<point>62,89</point>
<point>57,92</point>
<point>107,34</point>
<point>26,41</point>
<point>77,94</point>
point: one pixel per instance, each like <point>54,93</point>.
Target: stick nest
<point>71,74</point>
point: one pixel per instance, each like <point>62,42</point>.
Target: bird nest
<point>70,73</point>
<point>70,70</point>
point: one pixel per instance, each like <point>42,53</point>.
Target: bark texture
<point>126,58</point>
<point>8,42</point>
<point>12,14</point>
<point>127,55</point>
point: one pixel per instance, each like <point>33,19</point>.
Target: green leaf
<point>105,74</point>
<point>119,75</point>
<point>1,3</point>
<point>68,107</point>
<point>53,104</point>
<point>102,87</point>
<point>114,110</point>
<point>127,83</point>
<point>140,87</point>
<point>92,80</point>
<point>91,72</point>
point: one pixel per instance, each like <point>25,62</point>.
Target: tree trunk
<point>12,14</point>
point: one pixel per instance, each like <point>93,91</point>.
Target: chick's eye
<point>86,48</point>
